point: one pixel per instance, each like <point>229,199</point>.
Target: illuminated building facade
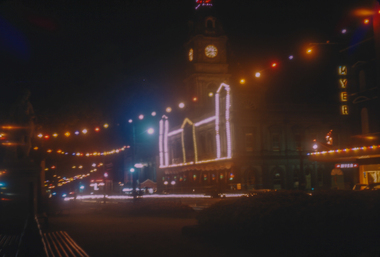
<point>358,161</point>
<point>231,138</point>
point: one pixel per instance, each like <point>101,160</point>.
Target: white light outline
<point>217,120</point>
<point>166,142</point>
<point>228,126</point>
<point>160,142</point>
<point>174,132</point>
<point>217,136</point>
<point>205,121</point>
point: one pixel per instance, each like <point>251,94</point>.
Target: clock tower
<point>206,55</point>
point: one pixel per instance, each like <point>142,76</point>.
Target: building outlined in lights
<point>231,139</point>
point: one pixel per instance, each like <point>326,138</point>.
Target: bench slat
<point>62,245</point>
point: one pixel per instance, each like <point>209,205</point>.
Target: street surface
<point>101,232</point>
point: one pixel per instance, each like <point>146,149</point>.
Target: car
<point>373,186</point>
<point>359,187</point>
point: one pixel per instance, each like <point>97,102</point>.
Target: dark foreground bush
<point>343,223</point>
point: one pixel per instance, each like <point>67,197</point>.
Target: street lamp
<point>150,131</point>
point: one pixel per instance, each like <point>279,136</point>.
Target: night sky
<point>86,61</point>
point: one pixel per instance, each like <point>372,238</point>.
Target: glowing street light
<point>105,125</point>
<point>40,135</point>
<point>55,135</point>
<point>257,74</point>
<point>76,132</point>
<point>181,105</point>
<point>242,81</point>
<point>141,116</point>
<point>132,170</point>
<point>309,51</point>
<point>173,183</point>
<point>210,94</point>
<point>366,21</point>
<point>67,134</point>
<point>150,131</point>
<point>195,99</point>
<point>97,129</point>
<point>169,109</point>
<point>274,65</point>
<point>130,121</point>
<point>154,114</point>
<point>344,31</point>
<point>291,57</point>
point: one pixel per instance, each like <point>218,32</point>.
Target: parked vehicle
<point>359,187</point>
<point>373,186</point>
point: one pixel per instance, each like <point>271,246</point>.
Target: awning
<point>347,154</point>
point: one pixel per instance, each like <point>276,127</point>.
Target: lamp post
<point>150,131</point>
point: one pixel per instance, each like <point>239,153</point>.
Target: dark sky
<point>102,57</point>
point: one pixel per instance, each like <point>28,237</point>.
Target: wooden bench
<point>61,244</point>
<point>9,245</point>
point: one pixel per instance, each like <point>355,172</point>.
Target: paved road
<point>104,233</point>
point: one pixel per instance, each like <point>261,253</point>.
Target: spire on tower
<point>203,3</point>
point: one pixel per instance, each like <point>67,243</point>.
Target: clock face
<point>211,51</point>
<point>191,54</point>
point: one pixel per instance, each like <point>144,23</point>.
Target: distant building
<point>358,161</point>
<point>230,138</point>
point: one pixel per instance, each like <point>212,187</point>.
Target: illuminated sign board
<point>346,165</point>
<point>343,83</point>
<point>343,96</point>
<point>344,110</point>
<point>342,71</point>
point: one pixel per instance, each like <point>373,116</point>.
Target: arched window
<point>210,23</point>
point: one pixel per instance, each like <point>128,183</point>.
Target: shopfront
<point>352,165</point>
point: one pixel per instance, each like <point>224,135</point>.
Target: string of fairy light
<point>366,21</point>
<point>62,180</point>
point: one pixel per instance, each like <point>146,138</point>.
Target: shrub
<point>325,218</point>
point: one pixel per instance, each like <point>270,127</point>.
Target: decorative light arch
<point>164,133</point>
<point>194,140</point>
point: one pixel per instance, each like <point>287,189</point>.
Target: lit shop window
<point>232,176</point>
<point>184,178</point>
<point>163,178</point>
<point>194,177</point>
<point>180,178</point>
<point>204,176</point>
<point>213,177</point>
<point>175,178</point>
<point>221,176</point>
